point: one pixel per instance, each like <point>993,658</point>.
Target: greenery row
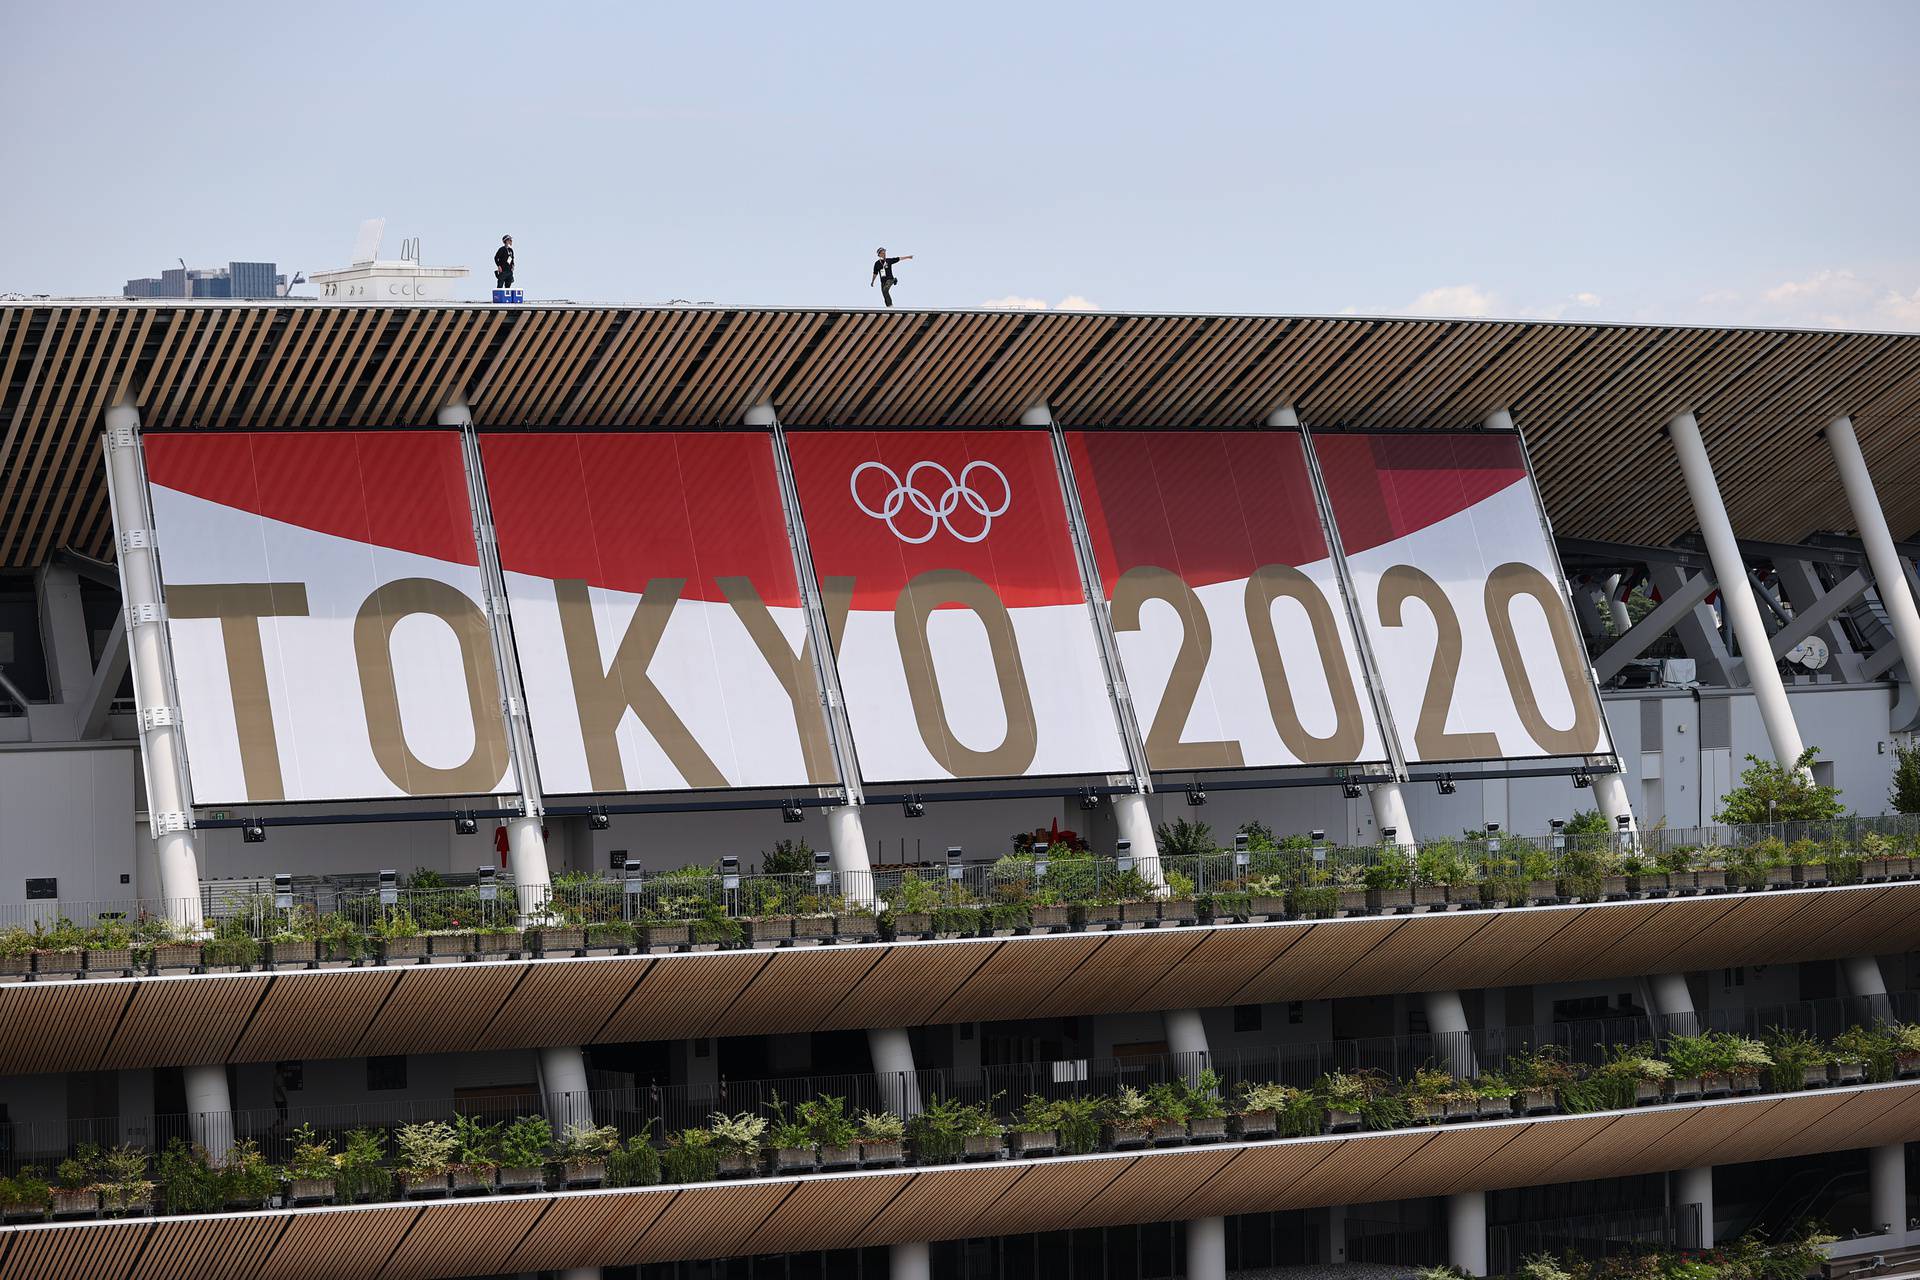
<point>437,1158</point>
<point>1752,1257</point>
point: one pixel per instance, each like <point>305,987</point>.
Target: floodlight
<point>729,873</point>
<point>1040,861</point>
<point>253,832</point>
<point>1123,855</point>
<point>1089,802</point>
<point>822,870</point>
<point>1196,795</point>
<point>597,819</point>
<point>389,888</point>
<point>791,812</point>
<point>1557,834</point>
<point>1319,846</point>
<point>283,892</point>
<point>914,808</point>
<point>465,824</point>
<point>1240,854</point>
<point>1445,785</point>
<point>489,884</point>
<point>956,866</point>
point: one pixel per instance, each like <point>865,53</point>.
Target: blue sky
<point>1748,162</point>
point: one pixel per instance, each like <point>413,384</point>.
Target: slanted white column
<point>1186,1033</point>
<point>168,804</point>
<point>1673,1000</point>
<point>1887,1186</point>
<point>1889,575</point>
<point>1390,813</point>
<point>1467,1231</point>
<point>1447,1020</point>
<point>1695,1186</point>
<point>1207,1249</point>
<point>847,840</point>
<point>563,1079</point>
<point>893,1058</point>
<point>1736,594</point>
<point>911,1261</point>
<point>1867,985</point>
<point>209,1109</point>
<point>1136,828</point>
<point>1610,794</point>
<point>1617,592</point>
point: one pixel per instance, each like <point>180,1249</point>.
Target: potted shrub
<point>1495,1093</point>
<point>1748,1060</point>
<point>789,1146</point>
<point>616,936</point>
<point>1849,1058</point>
<point>985,1138</point>
<point>1345,1095</point>
<point>1206,1112</point>
<point>16,952</point>
<point>110,949</point>
<point>692,1155</point>
<point>958,921</point>
<point>25,1197</point>
<point>1693,1058</point>
<point>247,1181</point>
<point>882,1137</point>
<point>498,941</point>
<point>1442,870</point>
<point>633,1164</point>
<point>76,1192</point>
<point>1386,882</point>
<point>1126,1120</point>
<point>425,1151</point>
<point>1048,913</point>
<point>175,955</point>
<point>1256,1109</point>
<point>1166,1114</point>
<point>449,943</point>
<point>553,940</point>
<point>1709,876</point>
<point>1313,902</point>
<point>310,1169</point>
<point>813,926</point>
<point>1905,1042</point>
<point>475,1156</point>
<point>1642,879</point>
<point>399,939</point>
<point>123,1183</point>
<point>831,1130</point>
<point>1427,1094</point>
<point>291,949</point>
<point>1875,851</point>
<point>582,1152</point>
<point>361,1172</point>
<point>1033,1131</point>
<point>523,1154</point>
<point>59,962</point>
<point>1139,910</point>
<point>1179,905</point>
<point>734,1144</point>
<point>658,933</point>
<point>1806,863</point>
<point>1538,1076</point>
<point>188,1181</point>
<point>1097,913</point>
<point>855,923</point>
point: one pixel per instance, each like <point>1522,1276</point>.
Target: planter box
<point>499,944</point>
<point>1496,1108</point>
<point>1119,1137</point>
<point>1179,911</point>
<point>1462,1109</point>
<point>176,955</point>
<point>582,1173</point>
<point>471,1181</point>
<point>1811,873</point>
<point>58,964</point>
<point>560,942</point>
<point>1535,1102</point>
<point>16,966</point>
<point>1168,1133</point>
<point>1252,1124</point>
<point>1715,1085</point>
<point>423,1186</point>
<point>1426,1110</point>
<point>1906,1065</point>
<point>1779,877</point>
<point>1041,1143</point>
<point>792,1160</point>
<point>666,935</point>
<point>300,953</point>
<point>1651,885</point>
<point>138,1203</point>
<point>1713,880</point>
<point>1849,1072</point>
<point>450,944</point>
<point>983,1148</point>
<point>1389,899</point>
<point>1646,1092</point>
<point>1613,888</point>
<point>856,927</point>
<point>733,1164</point>
<point>879,1155</point>
<point>1050,919</point>
<point>1207,1129</point>
<point>1569,890</point>
<point>1353,902</point>
<point>310,1191</point>
<point>1874,871</point>
<point>1268,907</point>
<point>530,1178</point>
<point>1685,1088</point>
<point>769,931</point>
<point>1339,1121</point>
<point>1815,1077</point>
<point>76,1204</point>
<point>1744,1082</point>
<point>815,928</point>
<point>23,1213</point>
<point>1430,897</point>
<point>413,949</point>
<point>1543,892</point>
<point>1144,912</point>
<point>847,1157</point>
<point>1097,915</point>
<point>909,924</point>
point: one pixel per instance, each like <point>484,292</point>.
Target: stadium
<point>693,791</point>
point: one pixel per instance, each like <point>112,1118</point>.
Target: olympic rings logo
<point>939,506</point>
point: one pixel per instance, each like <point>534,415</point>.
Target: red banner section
<point>1460,596</point>
<point>954,595</point>
<point>1219,582</point>
<point>656,611</point>
<point>325,615</point>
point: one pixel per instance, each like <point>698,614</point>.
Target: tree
<point>1905,796</point>
<point>1770,793</point>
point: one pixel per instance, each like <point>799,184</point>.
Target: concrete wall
<point>67,812</point>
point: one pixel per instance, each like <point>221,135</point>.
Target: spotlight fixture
<point>283,892</point>
<point>914,807</point>
<point>1557,834</point>
<point>822,869</point>
<point>1040,860</point>
<point>253,832</point>
<point>597,819</point>
<point>1389,836</point>
<point>1493,837</point>
<point>389,888</point>
<point>489,883</point>
<point>956,862</point>
<point>1445,784</point>
<point>1319,846</point>
<point>1240,854</point>
<point>1624,822</point>
<point>1196,795</point>
<point>729,873</point>
<point>1089,802</point>
<point>1350,789</point>
<point>1581,781</point>
<point>465,824</point>
<point>1123,855</point>
<point>791,812</point>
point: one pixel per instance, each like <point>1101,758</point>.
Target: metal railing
<point>1597,1235</point>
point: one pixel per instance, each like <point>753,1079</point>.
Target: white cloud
<point>1587,299</point>
<point>1475,302</point>
<point>1014,302</point>
<point>1831,298</point>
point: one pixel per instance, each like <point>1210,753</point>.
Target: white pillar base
<point>210,1109</point>
<point>910,1261</point>
<point>1390,813</point>
<point>1887,1185</point>
<point>847,841</point>
<point>1610,795</point>
<point>563,1079</point>
<point>527,859</point>
<point>1695,1186</point>
<point>1453,1038</point>
<point>1207,1249</point>
<point>1863,975</point>
<point>893,1058</point>
<point>1467,1232</point>
<point>1672,998</point>
<point>1136,827</point>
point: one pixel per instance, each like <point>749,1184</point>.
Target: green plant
<point>1387,872</point>
<point>633,1164</point>
<point>1542,1266</point>
<point>1770,793</point>
<point>1344,1091</point>
<point>690,1156</point>
<point>80,1170</point>
<point>1495,1086</point>
<point>427,1147</point>
<point>1543,1068</point>
<point>477,1144</point>
<point>1443,862</point>
<point>1429,1084</point>
<point>1265,1096</point>
<point>788,858</point>
<point>1128,1107</point>
<point>523,1142</point>
<point>246,1177</point>
<point>313,1157</point>
<point>1076,1121</point>
<point>361,1164</point>
<point>187,1179</point>
<point>587,1142</point>
<point>1182,838</point>
<point>123,1178</point>
<point>740,1134</point>
<point>1179,885</point>
<point>1905,793</point>
<point>943,1126</point>
<point>826,1122</point>
<point>26,1190</point>
<point>881,1126</point>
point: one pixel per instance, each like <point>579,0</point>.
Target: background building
<point>572,948</point>
<point>235,280</point>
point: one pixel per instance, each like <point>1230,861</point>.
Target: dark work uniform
<point>883,267</point>
<point>503,267</point>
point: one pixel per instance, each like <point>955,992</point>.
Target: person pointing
<point>883,273</point>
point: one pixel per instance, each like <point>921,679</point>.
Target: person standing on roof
<point>503,264</point>
<point>883,273</point>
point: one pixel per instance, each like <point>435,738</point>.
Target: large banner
<point>965,646</point>
<point>324,605</point>
<point>655,611</point>
<point>1460,596</point>
<point>1224,599</point>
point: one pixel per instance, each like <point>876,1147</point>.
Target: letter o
<point>911,614</point>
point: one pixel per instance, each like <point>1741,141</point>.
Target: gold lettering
<point>1430,737</point>
<point>1165,749</point>
<point>794,672</point>
<point>1282,581</point>
<point>239,606</point>
<point>1515,579</point>
<point>373,653</point>
<point>911,614</point>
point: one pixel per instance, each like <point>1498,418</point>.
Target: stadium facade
<point>566,616</point>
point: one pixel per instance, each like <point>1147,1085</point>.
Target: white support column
<point>1617,593</point>
<point>1390,813</point>
<point>1467,1231</point>
<point>1673,1000</point>
<point>1889,576</point>
<point>1887,1186</point>
<point>169,806</point>
<point>1186,1033</point>
<point>1136,828</point>
<point>1736,594</point>
<point>1447,1020</point>
<point>1695,1186</point>
<point>847,840</point>
<point>1207,1249</point>
<point>910,1261</point>
<point>893,1056</point>
<point>209,1109</point>
<point>563,1079</point>
<point>1867,985</point>
<point>1610,794</point>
